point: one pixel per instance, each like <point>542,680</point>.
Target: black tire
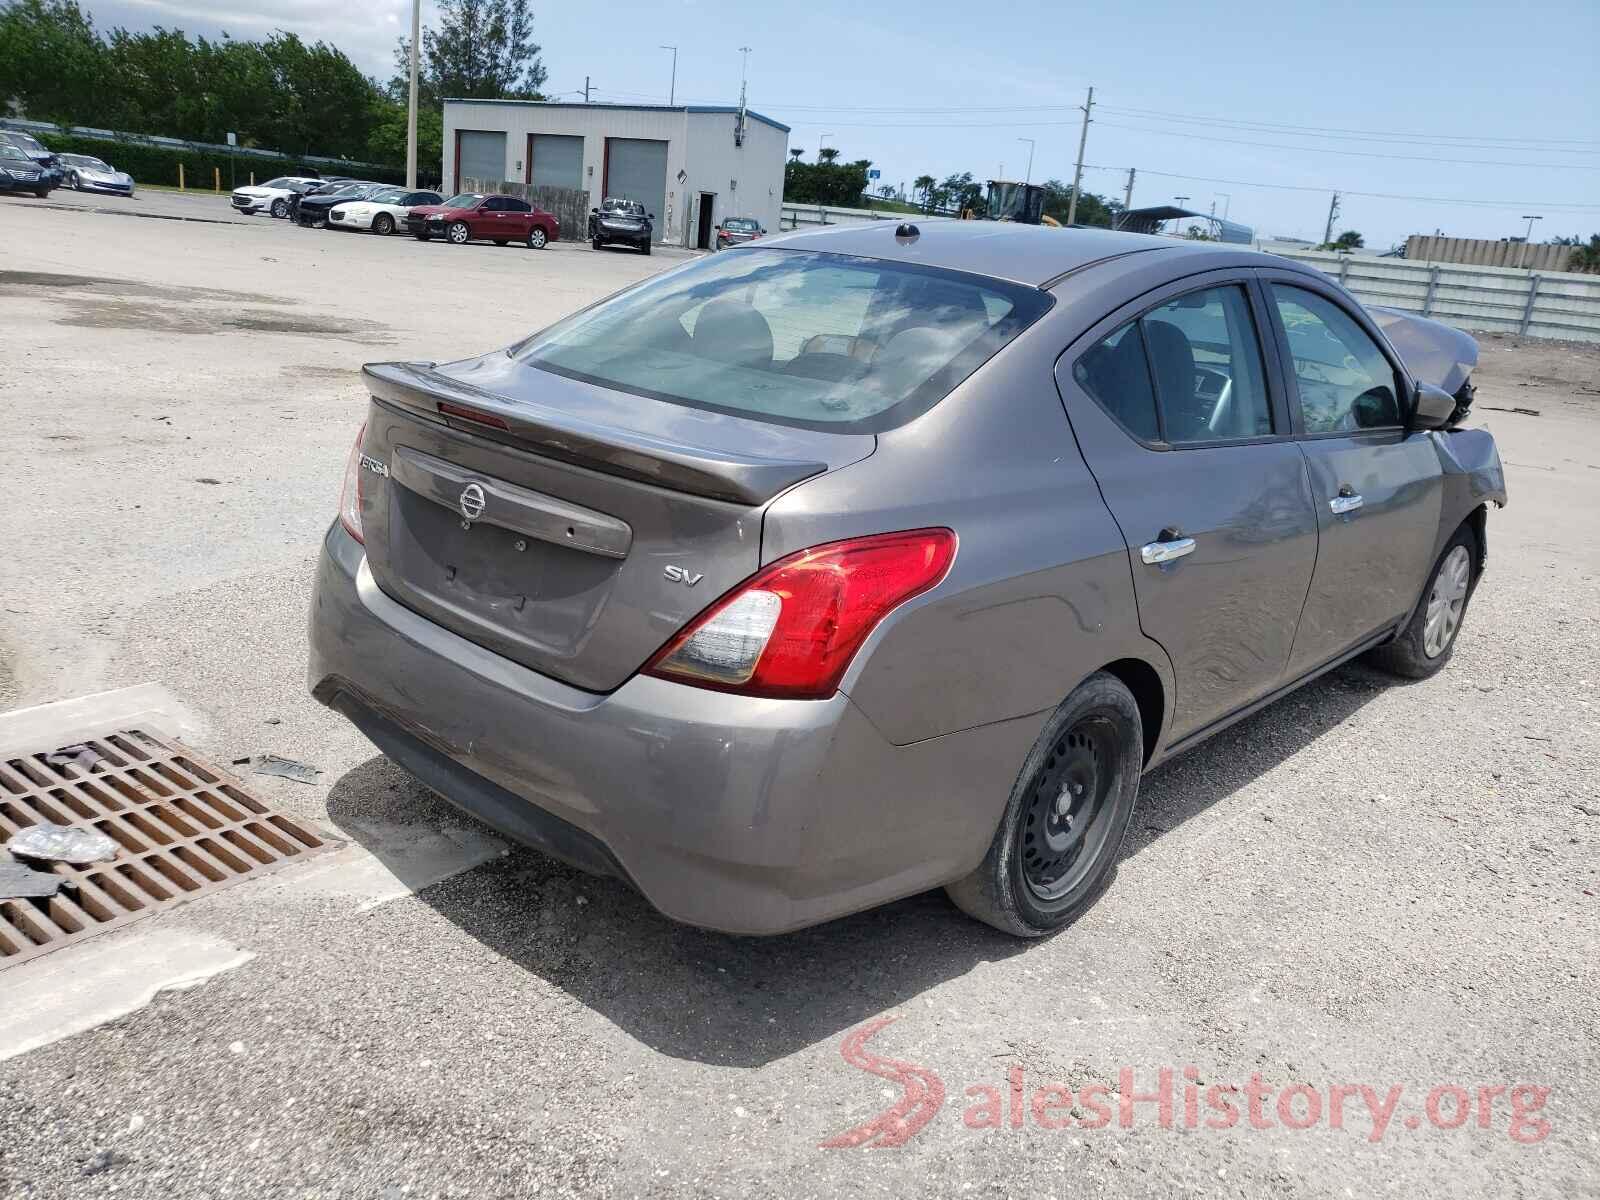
<point>383,224</point>
<point>422,235</point>
<point>73,182</point>
<point>458,234</point>
<point>42,193</point>
<point>280,208</point>
<point>1046,866</point>
<point>1408,655</point>
<point>595,242</point>
<point>538,239</point>
<point>645,247</point>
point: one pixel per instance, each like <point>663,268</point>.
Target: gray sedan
<point>863,561</point>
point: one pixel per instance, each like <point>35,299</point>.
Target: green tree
<point>1092,209</point>
<point>835,183</point>
<point>1348,240</point>
<point>387,143</point>
<point>481,50</point>
<point>1585,255</point>
<point>51,59</point>
<point>922,185</point>
<point>827,154</point>
<point>959,192</point>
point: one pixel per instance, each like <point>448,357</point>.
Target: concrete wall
<point>1543,304</point>
<point>747,180</point>
<point>1484,252</point>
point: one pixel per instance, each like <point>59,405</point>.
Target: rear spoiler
<point>563,434</point>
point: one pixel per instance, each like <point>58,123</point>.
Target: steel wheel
<point>1064,827</point>
<point>459,234</point>
<point>1446,602</point>
<point>280,208</point>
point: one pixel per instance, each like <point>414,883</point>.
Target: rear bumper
<point>738,814</point>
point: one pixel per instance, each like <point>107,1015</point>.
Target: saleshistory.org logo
<point>1180,1097</point>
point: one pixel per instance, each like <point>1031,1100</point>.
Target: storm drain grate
<point>183,827</point>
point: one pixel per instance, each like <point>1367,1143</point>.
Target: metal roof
<point>671,108</point>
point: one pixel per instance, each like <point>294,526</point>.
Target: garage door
<point>637,170</point>
<point>480,156</point>
<point>556,160</point>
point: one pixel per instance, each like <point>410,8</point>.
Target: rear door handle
<point>1155,553</point>
<point>1343,503</point>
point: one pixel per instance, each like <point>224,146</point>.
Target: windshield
<point>822,341</point>
<point>29,144</point>
<point>85,163</point>
<point>628,208</point>
<point>740,224</point>
<point>464,200</point>
<point>7,150</point>
<point>387,196</point>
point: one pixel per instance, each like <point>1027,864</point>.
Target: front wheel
<point>1056,848</point>
<point>383,224</point>
<point>595,242</point>
<point>42,193</point>
<point>1429,639</point>
<point>645,247</point>
<point>280,209</point>
<point>537,238</point>
<point>73,182</point>
<point>458,234</point>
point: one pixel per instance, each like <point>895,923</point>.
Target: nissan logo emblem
<point>472,501</point>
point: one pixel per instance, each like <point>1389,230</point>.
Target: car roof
<point>1029,254</point>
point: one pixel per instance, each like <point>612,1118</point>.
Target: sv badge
<point>683,576</point>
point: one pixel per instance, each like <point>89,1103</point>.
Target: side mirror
<point>594,212</point>
<point>649,216</point>
<point>1432,408</point>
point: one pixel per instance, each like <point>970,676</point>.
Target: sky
<point>1463,118</point>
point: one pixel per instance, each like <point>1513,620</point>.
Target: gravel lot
<point>1368,884</point>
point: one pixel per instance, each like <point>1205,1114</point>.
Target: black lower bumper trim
<point>500,809</point>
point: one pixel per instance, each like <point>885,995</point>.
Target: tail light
<point>350,495</point>
<point>791,630</point>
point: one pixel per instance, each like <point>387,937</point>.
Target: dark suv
<point>621,221</point>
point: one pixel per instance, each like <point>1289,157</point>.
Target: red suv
<point>473,216</point>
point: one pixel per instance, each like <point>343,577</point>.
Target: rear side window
<point>1186,373</point>
<point>822,341</point>
<point>1344,380</point>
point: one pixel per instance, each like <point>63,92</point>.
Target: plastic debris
<point>62,843</point>
<point>18,880</point>
<point>286,768</point>
<point>85,758</point>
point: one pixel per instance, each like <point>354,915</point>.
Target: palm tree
<point>827,155</point>
<point>923,185</point>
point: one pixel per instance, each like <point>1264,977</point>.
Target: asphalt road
<point>1368,885</point>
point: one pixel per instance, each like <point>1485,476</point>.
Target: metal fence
<point>1541,304</point>
<point>570,206</point>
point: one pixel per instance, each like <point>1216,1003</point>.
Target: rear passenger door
<point>1377,491</point>
<point>1178,416</point>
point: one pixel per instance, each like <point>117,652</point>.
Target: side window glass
<point>516,205</point>
<point>1117,374</point>
<point>494,204</point>
<point>1345,382</point>
<point>1206,359</point>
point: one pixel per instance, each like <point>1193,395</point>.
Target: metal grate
<point>184,828</point>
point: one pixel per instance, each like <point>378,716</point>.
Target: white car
<point>382,212</point>
<point>84,173</point>
<point>273,195</point>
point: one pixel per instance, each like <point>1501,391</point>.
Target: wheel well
<point>1478,521</point>
<point>1141,679</point>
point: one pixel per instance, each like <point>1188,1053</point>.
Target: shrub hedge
<point>159,164</point>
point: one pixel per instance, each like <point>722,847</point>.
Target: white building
<point>690,165</point>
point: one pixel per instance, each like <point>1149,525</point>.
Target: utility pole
<point>1227,202</point>
<point>411,107</point>
<point>1127,195</point>
<point>1177,222</point>
<point>672,96</point>
<point>744,75</point>
<point>1529,238</point>
<point>1333,213</point>
<point>1029,177</point>
<point>1077,174</point>
<point>586,89</point>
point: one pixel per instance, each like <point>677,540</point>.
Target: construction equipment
<point>1011,201</point>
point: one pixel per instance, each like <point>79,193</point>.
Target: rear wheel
<point>73,181</point>
<point>1056,848</point>
<point>383,224</point>
<point>537,238</point>
<point>458,234</point>
<point>1429,638</point>
<point>595,242</point>
<point>42,193</point>
<point>280,208</point>
<point>646,247</point>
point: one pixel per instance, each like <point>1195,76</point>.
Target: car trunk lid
<point>538,515</point>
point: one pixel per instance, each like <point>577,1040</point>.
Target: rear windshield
<point>822,341</point>
<point>740,223</point>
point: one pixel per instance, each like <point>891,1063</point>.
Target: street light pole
<point>1029,178</point>
<point>672,96</point>
<point>411,107</point>
<point>1529,238</point>
<point>1177,221</point>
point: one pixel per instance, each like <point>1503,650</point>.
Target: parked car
<point>85,173</point>
<point>472,216</point>
<point>311,210</point>
<point>735,231</point>
<point>621,221</point>
<point>19,173</point>
<point>37,151</point>
<point>274,196</point>
<point>877,558</point>
<point>383,211</point>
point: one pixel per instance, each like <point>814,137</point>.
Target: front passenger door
<point>1377,491</point>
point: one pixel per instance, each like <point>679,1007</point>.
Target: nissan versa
<point>853,563</point>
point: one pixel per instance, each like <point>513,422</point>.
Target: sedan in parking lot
<point>19,173</point>
<point>85,173</point>
<point>880,558</point>
<point>735,231</point>
<point>621,222</point>
<point>473,216</point>
<point>311,210</point>
<point>383,211</point>
<point>275,196</point>
<point>47,161</point>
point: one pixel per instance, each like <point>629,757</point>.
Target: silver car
<point>85,173</point>
<point>858,562</point>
